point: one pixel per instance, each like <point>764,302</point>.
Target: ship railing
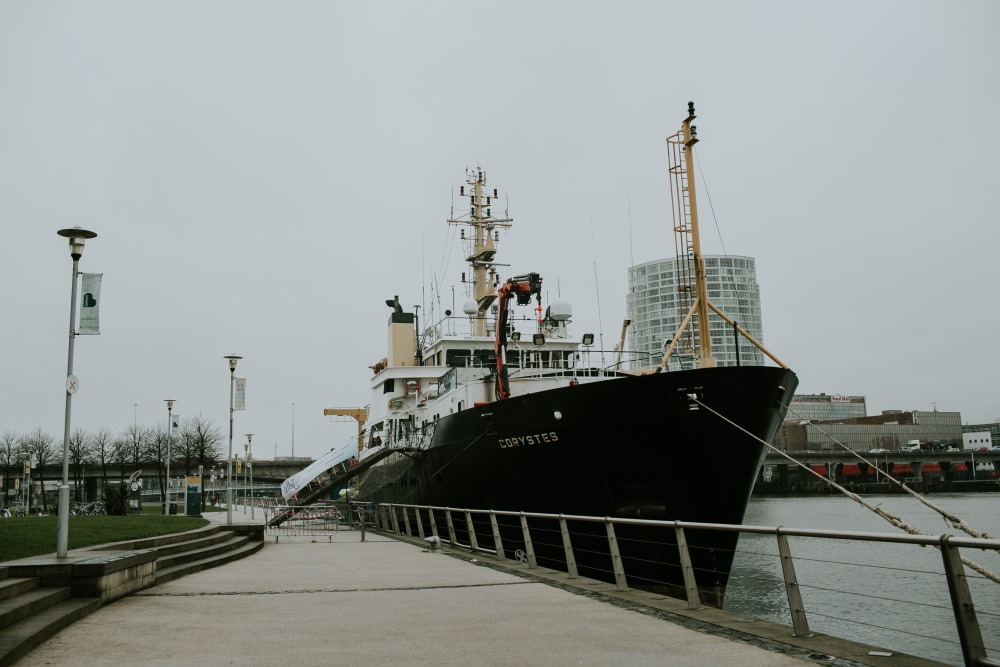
<point>571,543</point>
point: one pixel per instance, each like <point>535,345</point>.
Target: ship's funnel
<point>402,337</point>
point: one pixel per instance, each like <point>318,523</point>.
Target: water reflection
<point>890,595</point>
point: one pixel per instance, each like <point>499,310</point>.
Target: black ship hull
<point>635,447</point>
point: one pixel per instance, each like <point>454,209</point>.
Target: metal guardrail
<point>396,518</point>
<point>302,520</point>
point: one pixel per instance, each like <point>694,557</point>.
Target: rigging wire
<point>740,307</point>
<point>597,284</point>
<point>877,509</point>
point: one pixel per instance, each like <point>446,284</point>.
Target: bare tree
<point>102,451</point>
<point>39,443</point>
<point>10,460</point>
<point>156,455</point>
<point>79,454</point>
<point>120,455</point>
<point>204,442</point>
<point>135,439</point>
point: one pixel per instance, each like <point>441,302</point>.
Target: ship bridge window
<point>389,386</point>
<point>485,358</point>
<point>457,357</point>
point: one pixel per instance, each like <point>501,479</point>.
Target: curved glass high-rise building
<point>656,311</point>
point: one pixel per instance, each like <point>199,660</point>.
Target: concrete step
<point>160,540</point>
<point>199,553</point>
<point>200,542</point>
<point>30,602</point>
<point>11,586</point>
<point>191,566</point>
<point>29,615</point>
<point>18,639</point>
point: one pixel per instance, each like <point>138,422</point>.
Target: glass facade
<point>656,306</point>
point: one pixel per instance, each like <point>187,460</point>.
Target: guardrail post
<point>451,528</point>
<point>395,519</point>
<point>800,624</point>
<point>616,557</point>
<point>568,549</point>
<point>528,546</point>
<point>434,525</point>
<point>473,543</point>
<point>969,634</point>
<point>420,523</point>
<point>687,568</point>
<point>406,521</point>
<point>497,542</point>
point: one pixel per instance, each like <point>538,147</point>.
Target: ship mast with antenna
<point>483,241</point>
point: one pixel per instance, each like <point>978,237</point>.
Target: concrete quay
<point>389,601</point>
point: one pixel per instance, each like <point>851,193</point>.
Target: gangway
<point>341,473</point>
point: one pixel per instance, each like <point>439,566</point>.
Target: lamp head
<point>232,361</point>
<point>538,339</point>
<point>588,339</point>
<point>77,236</point>
<point>249,437</point>
<point>170,403</point>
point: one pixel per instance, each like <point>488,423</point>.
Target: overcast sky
<point>263,175</point>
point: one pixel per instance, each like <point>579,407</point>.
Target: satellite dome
<point>470,307</point>
<point>560,310</point>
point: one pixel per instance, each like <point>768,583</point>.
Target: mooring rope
<point>877,509</point>
<point>951,519</point>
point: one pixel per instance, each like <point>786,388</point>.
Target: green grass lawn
<point>36,535</point>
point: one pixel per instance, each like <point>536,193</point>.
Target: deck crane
<point>359,414</point>
<point>521,288</point>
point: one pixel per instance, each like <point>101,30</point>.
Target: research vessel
<point>501,406</point>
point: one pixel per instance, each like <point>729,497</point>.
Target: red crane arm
<point>522,288</point>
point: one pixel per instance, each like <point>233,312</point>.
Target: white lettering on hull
<point>527,440</point>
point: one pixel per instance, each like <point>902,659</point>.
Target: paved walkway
<point>377,602</point>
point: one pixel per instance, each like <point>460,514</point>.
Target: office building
<point>656,311</point>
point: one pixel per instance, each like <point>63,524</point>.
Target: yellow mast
<point>688,244</point>
<point>690,137</point>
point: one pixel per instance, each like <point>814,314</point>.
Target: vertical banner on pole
<point>90,323</point>
<point>240,401</point>
<point>175,425</point>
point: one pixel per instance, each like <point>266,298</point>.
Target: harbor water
<point>890,595</point>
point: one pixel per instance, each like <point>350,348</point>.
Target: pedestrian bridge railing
<point>616,550</point>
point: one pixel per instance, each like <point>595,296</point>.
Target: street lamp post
<point>229,461</point>
<point>246,453</point>
<point>77,237</point>
<point>170,439</point>
<point>249,452</point>
<point>26,482</point>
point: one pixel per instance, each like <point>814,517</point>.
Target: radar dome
<point>470,307</point>
<point>560,310</point>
